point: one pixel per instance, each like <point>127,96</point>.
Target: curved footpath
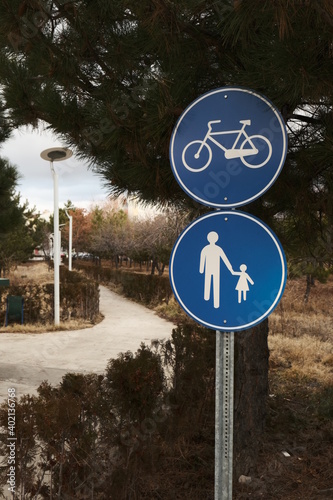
<point>28,359</point>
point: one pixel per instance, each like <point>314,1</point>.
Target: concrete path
<point>28,359</point>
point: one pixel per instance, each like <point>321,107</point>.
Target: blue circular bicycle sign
<point>228,147</point>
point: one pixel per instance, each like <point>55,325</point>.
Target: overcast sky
<point>76,182</point>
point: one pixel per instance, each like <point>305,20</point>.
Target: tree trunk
<point>251,392</point>
<point>309,285</point>
<point>154,265</point>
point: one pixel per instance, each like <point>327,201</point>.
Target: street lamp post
<point>70,217</point>
<point>52,155</point>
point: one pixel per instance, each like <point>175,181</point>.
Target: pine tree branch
<point>304,118</point>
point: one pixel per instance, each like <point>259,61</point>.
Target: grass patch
<point>50,327</point>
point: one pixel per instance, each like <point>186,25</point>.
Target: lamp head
<point>56,154</point>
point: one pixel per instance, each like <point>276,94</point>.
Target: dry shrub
<point>171,311</point>
<point>306,356</point>
<point>301,333</point>
<point>34,282</point>
<point>319,300</point>
<point>295,324</point>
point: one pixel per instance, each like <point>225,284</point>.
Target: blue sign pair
<point>228,269</point>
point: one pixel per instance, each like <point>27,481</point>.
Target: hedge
<point>148,289</point>
<point>79,299</point>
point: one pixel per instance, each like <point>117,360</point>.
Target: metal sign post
<point>224,415</point>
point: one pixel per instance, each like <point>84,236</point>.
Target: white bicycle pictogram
<point>195,157</point>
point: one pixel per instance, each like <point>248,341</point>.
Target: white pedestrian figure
<point>243,282</point>
<point>210,258</point>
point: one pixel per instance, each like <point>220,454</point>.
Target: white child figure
<point>243,282</point>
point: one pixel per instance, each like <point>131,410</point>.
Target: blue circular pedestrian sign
<point>228,147</point>
<point>228,270</point>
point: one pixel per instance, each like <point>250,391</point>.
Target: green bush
<point>148,289</point>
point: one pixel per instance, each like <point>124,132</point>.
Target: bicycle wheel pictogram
<point>263,152</point>
<point>197,156</point>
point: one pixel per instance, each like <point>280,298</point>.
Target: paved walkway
<point>28,359</point>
